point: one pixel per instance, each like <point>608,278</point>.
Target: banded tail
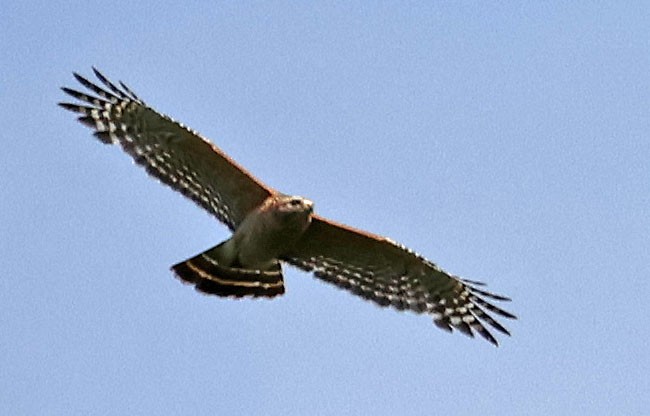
<point>209,276</point>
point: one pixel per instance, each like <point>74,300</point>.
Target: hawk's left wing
<point>176,155</point>
<point>389,274</point>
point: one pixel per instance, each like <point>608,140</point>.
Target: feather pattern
<point>389,274</point>
<point>176,155</point>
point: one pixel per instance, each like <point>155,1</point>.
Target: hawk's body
<point>269,227</point>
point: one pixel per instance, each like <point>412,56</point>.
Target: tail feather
<point>209,276</point>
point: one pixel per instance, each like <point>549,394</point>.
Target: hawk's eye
<point>295,202</point>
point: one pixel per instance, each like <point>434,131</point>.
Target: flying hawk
<point>270,227</point>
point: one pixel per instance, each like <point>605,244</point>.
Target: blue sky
<point>508,144</point>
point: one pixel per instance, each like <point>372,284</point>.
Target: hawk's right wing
<point>168,150</point>
<point>378,269</point>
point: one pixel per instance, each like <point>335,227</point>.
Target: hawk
<point>270,227</point>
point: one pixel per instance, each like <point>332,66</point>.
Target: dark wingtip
<point>100,76</point>
<point>80,78</point>
<point>471,282</point>
<point>508,315</point>
<point>129,91</point>
<point>495,324</point>
<point>442,324</point>
<point>488,336</point>
<point>104,137</point>
<point>464,328</point>
<point>491,340</point>
<point>68,106</point>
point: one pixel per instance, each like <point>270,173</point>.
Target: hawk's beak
<point>309,205</point>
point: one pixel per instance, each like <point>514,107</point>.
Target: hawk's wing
<point>169,151</point>
<point>380,270</point>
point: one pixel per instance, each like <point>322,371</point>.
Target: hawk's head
<point>294,204</point>
<point>293,210</point>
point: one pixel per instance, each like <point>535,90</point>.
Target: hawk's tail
<point>209,276</point>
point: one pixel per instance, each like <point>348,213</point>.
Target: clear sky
<point>508,144</point>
